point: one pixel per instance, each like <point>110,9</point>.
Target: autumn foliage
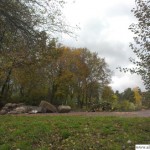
<point>60,74</point>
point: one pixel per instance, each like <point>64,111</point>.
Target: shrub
<point>126,106</point>
<point>132,106</point>
<point>106,106</point>
<point>102,106</point>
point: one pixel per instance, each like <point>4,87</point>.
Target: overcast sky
<point>104,29</point>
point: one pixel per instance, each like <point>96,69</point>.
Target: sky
<point>104,29</point>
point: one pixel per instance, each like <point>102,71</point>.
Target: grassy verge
<point>72,132</point>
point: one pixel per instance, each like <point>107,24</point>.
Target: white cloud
<point>104,29</point>
<point>121,82</point>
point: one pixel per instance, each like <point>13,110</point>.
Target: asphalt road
<point>142,113</point>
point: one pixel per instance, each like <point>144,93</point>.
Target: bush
<point>132,106</point>
<point>126,106</point>
<point>106,106</point>
<point>103,106</point>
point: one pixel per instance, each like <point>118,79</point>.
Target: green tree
<point>15,56</point>
<point>146,99</point>
<point>93,75</point>
<point>128,94</point>
<point>29,17</point>
<point>107,94</point>
<point>119,95</point>
<point>51,71</point>
<point>25,29</point>
<point>76,74</point>
<point>141,47</point>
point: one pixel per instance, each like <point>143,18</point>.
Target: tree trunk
<point>5,86</point>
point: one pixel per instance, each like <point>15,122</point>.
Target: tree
<point>26,27</point>
<point>93,75</point>
<point>16,55</point>
<point>107,94</point>
<point>51,71</point>
<point>27,18</point>
<point>141,47</point>
<point>138,97</point>
<point>146,99</point>
<point>28,84</point>
<point>119,95</point>
<point>74,75</point>
<point>128,94</point>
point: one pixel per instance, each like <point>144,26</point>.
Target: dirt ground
<point>142,113</point>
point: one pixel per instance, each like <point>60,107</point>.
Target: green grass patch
<point>72,132</point>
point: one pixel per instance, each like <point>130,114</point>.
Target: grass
<point>72,133</point>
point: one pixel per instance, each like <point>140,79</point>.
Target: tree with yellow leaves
<point>137,96</point>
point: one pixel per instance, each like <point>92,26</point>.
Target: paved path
<point>142,113</point>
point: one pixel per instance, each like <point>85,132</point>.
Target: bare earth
<point>142,113</point>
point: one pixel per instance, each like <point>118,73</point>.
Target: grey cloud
<point>121,9</point>
<point>94,35</point>
<point>93,38</point>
